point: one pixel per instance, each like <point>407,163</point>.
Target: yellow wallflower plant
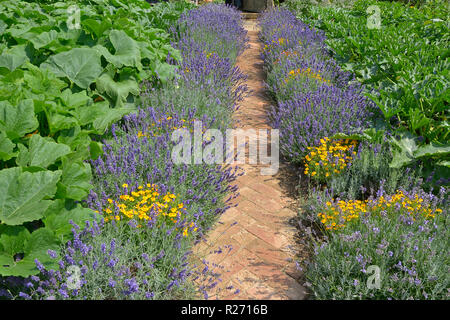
<point>308,73</point>
<point>331,157</point>
<point>146,204</point>
<point>338,214</point>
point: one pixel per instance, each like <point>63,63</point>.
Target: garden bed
<point>148,210</point>
<point>377,224</point>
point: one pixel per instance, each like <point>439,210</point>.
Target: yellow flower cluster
<point>306,73</point>
<point>329,158</point>
<point>412,204</point>
<point>209,54</point>
<point>185,125</point>
<point>144,204</point>
<point>340,213</point>
<point>286,54</point>
<point>280,41</point>
<point>337,214</point>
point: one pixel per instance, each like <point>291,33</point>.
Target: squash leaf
<point>23,194</point>
<point>42,152</point>
<point>80,65</point>
<point>58,215</point>
<point>19,249</point>
<point>18,120</point>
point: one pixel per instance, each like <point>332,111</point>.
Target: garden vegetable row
<point>68,70</point>
<point>153,209</point>
<point>362,216</point>
<point>404,67</point>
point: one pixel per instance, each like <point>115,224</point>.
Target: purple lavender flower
<point>133,286</point>
<point>52,254</point>
<point>112,283</point>
<point>24,295</point>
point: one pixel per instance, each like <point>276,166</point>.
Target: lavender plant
<point>217,27</point>
<point>294,73</point>
<point>140,153</point>
<point>208,84</point>
<point>116,261</point>
<point>315,98</point>
<point>369,171</point>
<point>403,236</point>
<point>308,117</point>
<point>209,39</point>
<point>151,209</point>
<point>370,216</point>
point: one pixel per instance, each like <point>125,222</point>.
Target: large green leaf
<point>59,214</point>
<point>74,100</point>
<point>56,118</point>
<point>43,81</point>
<point>102,123</point>
<point>74,137</point>
<point>13,58</point>
<point>117,92</point>
<point>404,153</point>
<point>407,150</point>
<point>23,194</point>
<point>3,26</point>
<point>81,65</point>
<point>80,142</point>
<point>98,28</point>
<point>147,51</point>
<point>100,115</point>
<point>95,149</point>
<point>165,71</point>
<point>75,181</point>
<point>18,120</point>
<point>127,51</point>
<point>88,114</point>
<point>6,147</point>
<point>41,39</point>
<point>42,152</point>
<point>432,149</point>
<point>12,239</point>
<point>19,249</point>
<point>14,77</point>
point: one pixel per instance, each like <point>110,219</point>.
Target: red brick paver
<point>260,263</point>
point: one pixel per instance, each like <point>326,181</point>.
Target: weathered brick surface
<point>260,263</point>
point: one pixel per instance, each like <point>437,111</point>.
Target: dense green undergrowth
<point>151,209</point>
<point>403,65</point>
<point>68,70</point>
<point>363,112</point>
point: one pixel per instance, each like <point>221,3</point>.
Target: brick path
<point>260,263</point>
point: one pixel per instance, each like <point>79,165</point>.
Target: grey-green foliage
<point>120,253</point>
<point>302,6</point>
<point>182,99</point>
<point>54,74</point>
<point>412,257</point>
<point>369,171</point>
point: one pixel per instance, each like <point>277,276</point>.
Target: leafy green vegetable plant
<point>68,70</point>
